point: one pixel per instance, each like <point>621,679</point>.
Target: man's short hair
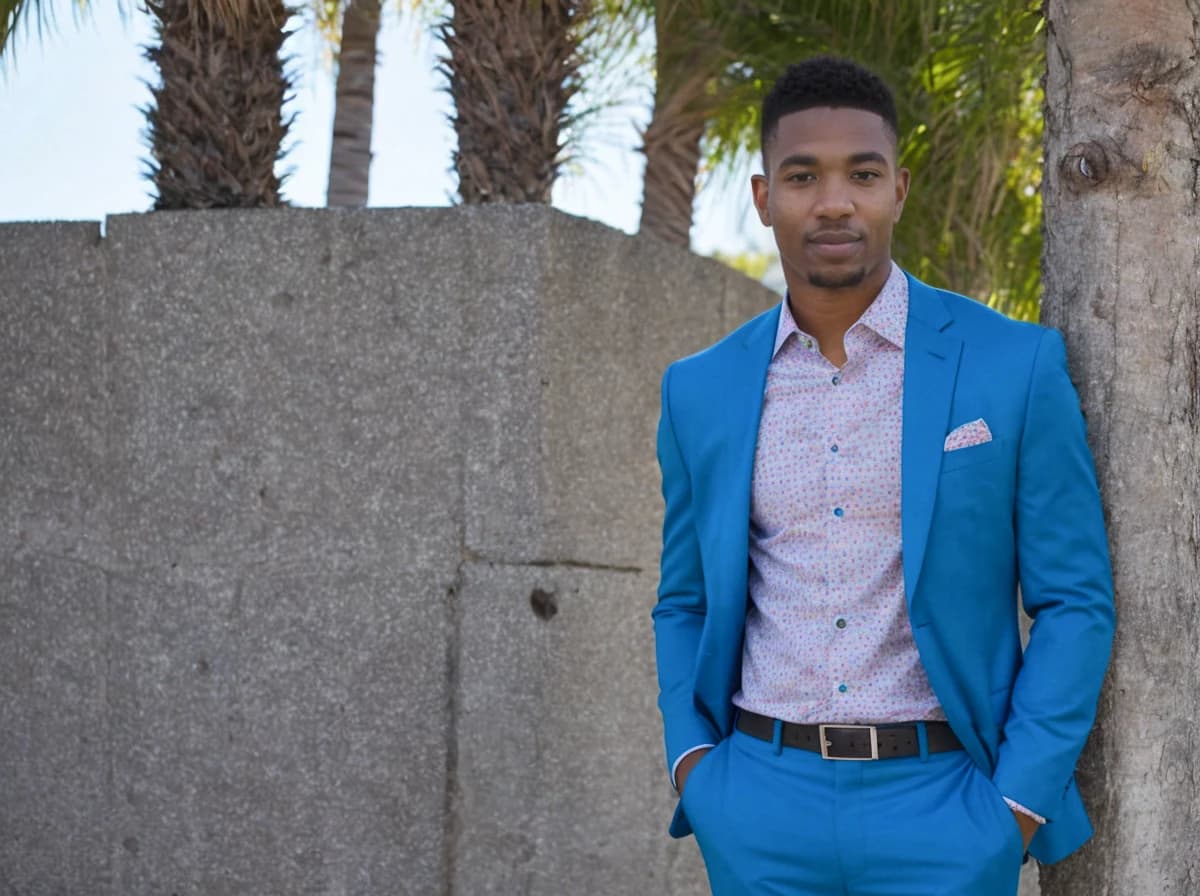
<point>826,81</point>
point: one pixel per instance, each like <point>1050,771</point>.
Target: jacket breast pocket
<point>969,457</point>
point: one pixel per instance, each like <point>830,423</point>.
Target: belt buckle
<point>825,744</point>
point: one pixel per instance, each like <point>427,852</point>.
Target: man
<point>856,483</point>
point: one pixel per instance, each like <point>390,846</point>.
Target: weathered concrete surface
<point>276,488</point>
<point>571,330</point>
<point>54,644</point>
<point>54,761</point>
<point>545,786</point>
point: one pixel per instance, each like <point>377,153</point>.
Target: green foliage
<point>967,79</point>
<point>325,16</point>
<point>753,264</point>
<point>975,151</point>
<point>15,15</point>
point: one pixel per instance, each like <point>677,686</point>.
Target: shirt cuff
<point>686,754</point>
<point>1017,807</point>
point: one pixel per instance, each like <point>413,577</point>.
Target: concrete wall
<point>327,546</point>
<point>328,542</point>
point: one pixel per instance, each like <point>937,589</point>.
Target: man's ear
<point>902,179</point>
<point>760,191</point>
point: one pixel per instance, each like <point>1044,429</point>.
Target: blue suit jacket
<point>1023,509</point>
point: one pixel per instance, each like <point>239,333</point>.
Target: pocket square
<point>974,433</point>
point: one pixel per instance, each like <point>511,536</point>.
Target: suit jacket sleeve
<point>679,614</point>
<point>1066,587</point>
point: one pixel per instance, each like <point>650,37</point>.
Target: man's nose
<point>833,200</point>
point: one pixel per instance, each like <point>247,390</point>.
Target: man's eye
<point>800,177</point>
<point>866,175</point>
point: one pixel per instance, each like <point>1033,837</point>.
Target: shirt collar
<point>887,314</point>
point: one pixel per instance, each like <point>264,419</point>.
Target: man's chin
<point>837,279</point>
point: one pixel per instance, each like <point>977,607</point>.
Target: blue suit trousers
<point>780,821</point>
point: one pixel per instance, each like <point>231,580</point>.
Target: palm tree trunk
<point>687,62</point>
<point>1122,199</point>
<point>350,150</point>
<point>216,127</point>
<point>512,71</point>
<point>671,145</point>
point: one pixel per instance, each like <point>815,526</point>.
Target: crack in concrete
<point>451,818</point>
<point>452,824</point>
<point>469,556</point>
<point>108,737</point>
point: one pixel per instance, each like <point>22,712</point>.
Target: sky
<point>72,136</point>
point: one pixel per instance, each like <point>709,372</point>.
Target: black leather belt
<point>889,741</point>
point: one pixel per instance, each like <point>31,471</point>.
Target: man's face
<point>832,193</point>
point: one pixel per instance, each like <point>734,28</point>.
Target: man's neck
<point>826,314</point>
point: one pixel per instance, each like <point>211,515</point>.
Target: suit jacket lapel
<point>746,379</point>
<point>930,369</point>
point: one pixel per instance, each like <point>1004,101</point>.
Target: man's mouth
<point>833,237</point>
<point>835,244</point>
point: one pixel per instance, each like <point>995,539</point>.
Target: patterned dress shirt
<point>827,634</point>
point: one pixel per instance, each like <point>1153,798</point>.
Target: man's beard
<point>837,281</point>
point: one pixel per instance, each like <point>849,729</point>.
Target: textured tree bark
<point>671,144</point>
<point>687,60</point>
<point>512,70</point>
<point>1122,194</point>
<point>350,150</point>
<point>216,127</point>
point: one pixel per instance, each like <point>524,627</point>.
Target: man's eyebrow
<point>801,160</point>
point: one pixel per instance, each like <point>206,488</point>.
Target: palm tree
<point>352,33</point>
<point>512,70</point>
<point>215,126</point>
<point>966,74</point>
<point>689,57</point>
<point>974,144</point>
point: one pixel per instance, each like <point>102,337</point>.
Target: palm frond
<point>15,13</point>
<point>327,21</point>
<point>966,76</point>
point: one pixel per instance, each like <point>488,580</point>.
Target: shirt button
<point>841,623</point>
<point>842,689</point>
<point>808,343</point>
<point>833,448</point>
<point>837,378</point>
<point>837,511</point>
